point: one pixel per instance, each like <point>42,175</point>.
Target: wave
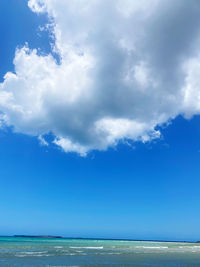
<point>198,247</point>
<point>32,253</point>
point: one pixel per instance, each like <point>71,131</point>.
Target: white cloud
<point>125,67</point>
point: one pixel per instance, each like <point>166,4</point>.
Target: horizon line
<point>100,238</point>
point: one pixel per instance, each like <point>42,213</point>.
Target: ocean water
<point>44,252</point>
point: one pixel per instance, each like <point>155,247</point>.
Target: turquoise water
<point>41,252</point>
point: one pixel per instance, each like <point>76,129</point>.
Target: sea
<point>60,252</point>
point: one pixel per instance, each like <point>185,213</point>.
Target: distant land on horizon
<point>38,236</point>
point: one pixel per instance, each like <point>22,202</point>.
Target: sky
<point>99,118</point>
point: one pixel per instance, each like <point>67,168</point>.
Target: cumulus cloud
<point>125,67</point>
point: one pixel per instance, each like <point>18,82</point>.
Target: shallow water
<point>44,252</point>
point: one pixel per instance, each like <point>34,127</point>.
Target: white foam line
<point>32,252</point>
<point>87,247</point>
<point>152,247</point>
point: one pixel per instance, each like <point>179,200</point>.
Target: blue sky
<point>92,185</point>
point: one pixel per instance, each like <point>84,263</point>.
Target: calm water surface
<point>41,252</point>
